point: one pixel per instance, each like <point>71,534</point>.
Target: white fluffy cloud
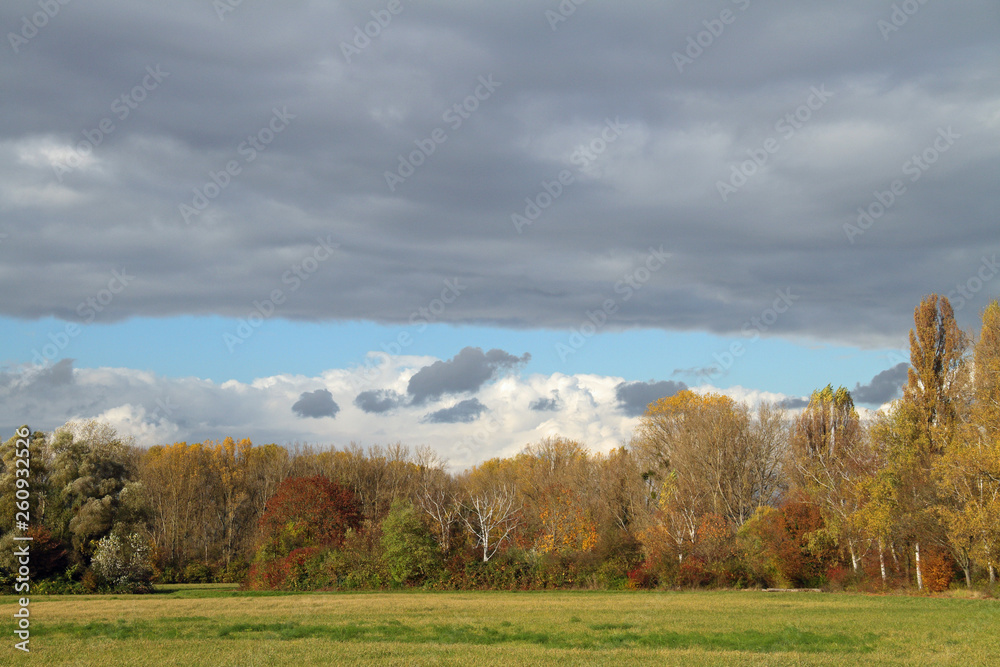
<point>157,410</point>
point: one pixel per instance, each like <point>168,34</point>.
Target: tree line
<point>708,492</point>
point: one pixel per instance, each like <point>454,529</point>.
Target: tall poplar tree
<point>934,404</point>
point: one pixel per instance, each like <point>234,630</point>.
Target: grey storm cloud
<point>546,404</point>
<point>378,401</point>
<point>221,154</point>
<point>794,403</point>
<point>462,412</point>
<point>37,379</point>
<point>163,410</point>
<point>634,397</point>
<point>39,395</point>
<point>317,403</point>
<point>467,371</point>
<point>883,388</point>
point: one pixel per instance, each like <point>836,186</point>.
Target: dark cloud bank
<point>205,135</point>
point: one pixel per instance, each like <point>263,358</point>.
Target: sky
<point>474,225</point>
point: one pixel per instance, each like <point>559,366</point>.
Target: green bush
<point>197,572</point>
<point>410,552</point>
<point>612,574</point>
<point>235,572</point>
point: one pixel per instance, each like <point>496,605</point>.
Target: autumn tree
<point>267,466</point>
<point>307,512</point>
<point>968,471</point>
<point>713,453</point>
<point>557,485</point>
<point>828,456</point>
<point>924,423</point>
<point>233,511</point>
<point>985,462</point>
<point>376,475</point>
<point>621,502</point>
<point>437,498</point>
<point>181,494</point>
<point>937,379</point>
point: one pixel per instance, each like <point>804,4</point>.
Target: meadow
<point>220,625</point>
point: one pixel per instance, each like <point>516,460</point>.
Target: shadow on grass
<point>604,636</point>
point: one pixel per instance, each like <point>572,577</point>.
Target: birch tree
<point>491,516</point>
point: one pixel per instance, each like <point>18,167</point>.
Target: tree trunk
<point>920,576</point>
<point>993,574</point>
<point>968,577</point>
<point>854,559</point>
<point>881,559</point>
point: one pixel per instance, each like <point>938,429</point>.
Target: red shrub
<point>642,576</point>
<point>48,555</point>
<point>785,534</point>
<point>693,572</point>
<point>308,512</point>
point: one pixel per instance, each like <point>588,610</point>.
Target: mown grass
<point>212,625</point>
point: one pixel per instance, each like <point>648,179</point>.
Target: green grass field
<point>216,625</point>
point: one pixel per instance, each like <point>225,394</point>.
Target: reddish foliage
<point>837,575</point>
<point>48,555</point>
<point>282,573</point>
<point>642,576</point>
<point>713,539</point>
<point>693,572</point>
<point>785,533</point>
<point>308,512</point>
